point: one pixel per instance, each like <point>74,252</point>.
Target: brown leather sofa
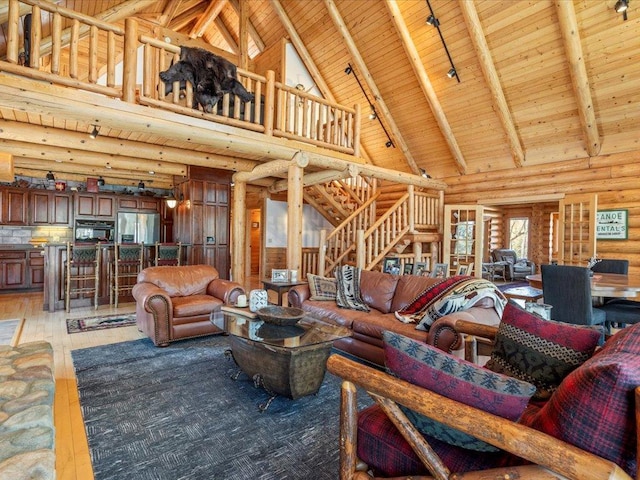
<point>385,294</point>
<point>175,302</point>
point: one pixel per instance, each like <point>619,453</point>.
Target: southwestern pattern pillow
<point>538,351</point>
<point>321,288</point>
<point>457,379</point>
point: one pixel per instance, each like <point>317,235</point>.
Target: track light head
<point>373,115</point>
<point>452,73</point>
<point>94,132</point>
<point>433,21</point>
<point>423,173</point>
<point>621,6</point>
<point>348,70</point>
<point>141,185</point>
<point>389,144</point>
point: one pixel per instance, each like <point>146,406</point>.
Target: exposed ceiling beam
<point>170,10</point>
<point>243,35</point>
<point>423,79</point>
<point>207,18</point>
<point>368,78</point>
<point>315,178</point>
<point>186,17</point>
<point>485,59</point>
<point>255,36</point>
<point>307,60</point>
<point>226,34</point>
<point>579,78</point>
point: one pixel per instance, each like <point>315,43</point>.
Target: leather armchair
<point>517,268</point>
<point>175,302</point>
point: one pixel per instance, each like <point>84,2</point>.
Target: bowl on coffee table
<point>281,316</point>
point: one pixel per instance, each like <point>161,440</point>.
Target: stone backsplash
<point>23,235</point>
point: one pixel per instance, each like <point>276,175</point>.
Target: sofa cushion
<point>383,448</point>
<point>195,305</point>
<point>593,408</point>
<point>180,281</point>
<point>542,352</point>
<point>408,288</point>
<point>457,379</point>
<point>321,288</point>
<point>377,289</point>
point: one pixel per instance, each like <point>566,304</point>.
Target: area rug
<point>77,325</point>
<point>174,413</point>
<point>510,285</point>
<point>10,331</point>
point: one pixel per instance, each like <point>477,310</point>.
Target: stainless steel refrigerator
<point>138,227</point>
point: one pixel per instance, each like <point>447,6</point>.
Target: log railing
<point>79,51</point>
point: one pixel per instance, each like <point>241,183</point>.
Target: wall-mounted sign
<point>612,224</point>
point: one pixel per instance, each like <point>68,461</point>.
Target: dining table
<point>603,284</point>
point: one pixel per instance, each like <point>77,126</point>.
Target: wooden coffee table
<point>286,361</point>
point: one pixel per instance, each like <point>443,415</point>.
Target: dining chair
<point>568,290</point>
<point>168,254</point>
<point>82,272</point>
<point>124,269</point>
<point>611,265</point>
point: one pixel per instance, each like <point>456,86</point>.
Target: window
<point>519,236</point>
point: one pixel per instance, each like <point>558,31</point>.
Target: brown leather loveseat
<point>175,302</point>
<point>384,294</point>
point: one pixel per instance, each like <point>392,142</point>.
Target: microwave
<point>94,231</point>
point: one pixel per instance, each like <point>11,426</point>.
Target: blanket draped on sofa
<point>452,294</point>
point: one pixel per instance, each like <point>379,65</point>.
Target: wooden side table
<point>280,287</point>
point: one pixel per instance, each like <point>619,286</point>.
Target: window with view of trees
<point>519,236</point>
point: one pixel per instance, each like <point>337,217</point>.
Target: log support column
<point>294,217</point>
<point>239,250</point>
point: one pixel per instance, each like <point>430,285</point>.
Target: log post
<point>294,217</point>
<point>12,35</point>
<point>322,252</point>
<point>238,252</point>
<point>130,59</point>
<point>360,252</point>
<point>348,430</point>
<point>269,103</point>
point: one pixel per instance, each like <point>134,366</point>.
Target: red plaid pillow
<point>593,408</point>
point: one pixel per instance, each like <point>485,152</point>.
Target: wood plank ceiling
<point>540,81</point>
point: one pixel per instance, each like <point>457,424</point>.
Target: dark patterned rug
<point>174,413</point>
<point>77,325</point>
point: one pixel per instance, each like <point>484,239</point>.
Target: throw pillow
<point>593,408</point>
<point>322,288</point>
<point>538,351</point>
<point>426,366</point>
<point>348,288</point>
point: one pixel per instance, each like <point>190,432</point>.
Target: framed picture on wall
<point>440,270</point>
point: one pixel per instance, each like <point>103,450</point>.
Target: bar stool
<point>82,271</point>
<point>168,254</point>
<point>124,269</point>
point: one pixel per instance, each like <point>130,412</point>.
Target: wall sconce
<point>51,177</point>
<point>433,21</point>
<point>172,202</point>
<point>94,132</point>
<point>373,115</point>
<point>141,185</point>
<point>101,181</point>
<point>621,7</point>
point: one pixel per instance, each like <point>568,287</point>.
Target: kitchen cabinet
<point>13,269</point>
<point>50,208</point>
<point>13,206</point>
<point>35,268</point>
<point>95,206</point>
<point>146,204</point>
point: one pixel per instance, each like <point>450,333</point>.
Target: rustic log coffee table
<point>289,361</point>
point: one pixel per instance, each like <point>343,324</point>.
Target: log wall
<point>613,177</point>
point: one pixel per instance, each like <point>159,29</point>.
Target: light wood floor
<point>72,451</point>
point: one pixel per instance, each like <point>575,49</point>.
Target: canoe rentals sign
<point>612,224</point>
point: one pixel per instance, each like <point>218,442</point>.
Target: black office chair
<point>568,290</point>
<point>610,265</point>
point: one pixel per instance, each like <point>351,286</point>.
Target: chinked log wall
<point>613,177</point>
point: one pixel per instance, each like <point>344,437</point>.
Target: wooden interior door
<point>577,229</point>
<point>463,237</point>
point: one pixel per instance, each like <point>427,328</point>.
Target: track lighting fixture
<point>94,132</point>
<point>433,21</point>
<point>101,181</point>
<point>423,173</point>
<point>51,177</point>
<point>621,7</point>
<point>141,185</point>
<point>373,115</point>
